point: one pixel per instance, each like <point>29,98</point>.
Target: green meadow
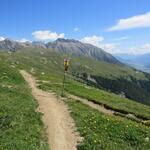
<point>21,126</point>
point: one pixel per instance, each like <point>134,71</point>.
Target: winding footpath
<point>60,127</point>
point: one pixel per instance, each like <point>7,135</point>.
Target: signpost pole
<point>66,65</point>
<point>63,88</point>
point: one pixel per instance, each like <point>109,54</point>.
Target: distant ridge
<point>12,45</point>
<point>78,48</point>
<point>67,46</point>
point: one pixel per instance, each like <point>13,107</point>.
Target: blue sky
<point>118,26</point>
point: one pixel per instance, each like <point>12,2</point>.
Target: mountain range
<point>88,63</point>
<point>141,62</point>
<point>67,46</point>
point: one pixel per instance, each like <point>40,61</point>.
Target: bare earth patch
<point>91,104</point>
<point>60,127</point>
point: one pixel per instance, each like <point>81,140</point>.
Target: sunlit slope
<point>119,79</point>
<point>43,58</point>
<point>47,67</point>
<point>20,126</point>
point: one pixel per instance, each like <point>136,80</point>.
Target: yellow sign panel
<point>66,64</point>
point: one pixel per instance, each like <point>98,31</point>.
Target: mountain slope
<point>77,48</point>
<point>11,45</point>
<point>88,63</point>
<point>20,125</point>
<point>99,131</point>
<point>67,46</point>
<point>120,79</point>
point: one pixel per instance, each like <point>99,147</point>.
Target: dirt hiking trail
<point>92,105</point>
<point>108,111</point>
<point>60,127</point>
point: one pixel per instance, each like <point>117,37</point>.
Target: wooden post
<point>66,65</point>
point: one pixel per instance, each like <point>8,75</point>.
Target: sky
<point>118,26</point>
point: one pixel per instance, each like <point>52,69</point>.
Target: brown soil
<point>60,127</point>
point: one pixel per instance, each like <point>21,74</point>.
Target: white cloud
<point>47,35</point>
<point>109,47</point>
<point>139,21</point>
<point>2,38</point>
<point>76,29</point>
<point>146,46</point>
<point>98,41</point>
<point>23,40</point>
<point>116,48</point>
<point>122,38</point>
<point>94,40</point>
<point>142,49</point>
<point>136,50</point>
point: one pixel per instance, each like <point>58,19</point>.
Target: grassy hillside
<point>98,130</point>
<point>102,132</point>
<point>109,100</point>
<point>110,77</point>
<point>20,126</point>
<point>47,65</point>
<point>115,78</point>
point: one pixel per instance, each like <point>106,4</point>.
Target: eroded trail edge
<point>105,110</point>
<point>60,126</point>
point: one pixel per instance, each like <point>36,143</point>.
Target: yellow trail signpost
<point>66,66</point>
